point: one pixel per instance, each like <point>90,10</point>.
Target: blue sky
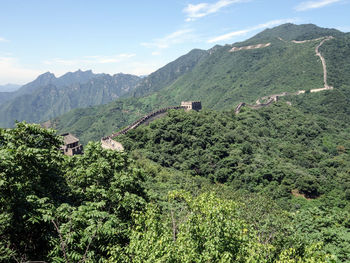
<point>137,37</point>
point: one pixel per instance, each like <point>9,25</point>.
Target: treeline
<point>275,150</point>
<point>300,161</point>
<point>105,207</point>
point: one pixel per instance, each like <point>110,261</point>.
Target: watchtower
<point>71,145</point>
<point>191,105</point>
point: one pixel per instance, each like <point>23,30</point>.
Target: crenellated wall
<point>108,142</point>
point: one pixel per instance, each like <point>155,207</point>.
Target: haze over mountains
<point>9,87</point>
<point>217,77</point>
<point>48,96</point>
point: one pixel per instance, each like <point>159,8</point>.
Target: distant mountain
<point>70,78</point>
<point>221,78</point>
<point>47,96</point>
<point>7,91</point>
<point>9,87</point>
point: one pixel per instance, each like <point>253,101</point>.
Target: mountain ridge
<point>221,79</point>
<point>9,87</point>
<point>47,96</point>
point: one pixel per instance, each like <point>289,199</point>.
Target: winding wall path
<point>108,142</point>
<point>272,98</point>
<point>234,49</point>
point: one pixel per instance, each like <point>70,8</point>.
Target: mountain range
<point>281,59</point>
<point>220,78</point>
<point>47,96</point>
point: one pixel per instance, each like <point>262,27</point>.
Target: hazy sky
<point>137,37</point>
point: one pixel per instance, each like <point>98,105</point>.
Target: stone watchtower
<point>191,105</point>
<point>71,145</point>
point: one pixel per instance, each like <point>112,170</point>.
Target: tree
<point>208,231</point>
<point>30,173</point>
<point>105,190</point>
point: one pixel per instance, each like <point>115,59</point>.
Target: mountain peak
<point>46,75</point>
<point>82,71</point>
<point>291,31</point>
<point>78,76</point>
<point>45,78</point>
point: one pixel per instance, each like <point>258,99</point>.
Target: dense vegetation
<point>276,151</point>
<point>268,185</point>
<point>104,207</point>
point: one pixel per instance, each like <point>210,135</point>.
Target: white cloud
<point>143,68</point>
<point>61,61</point>
<point>343,28</point>
<point>11,71</point>
<point>3,39</point>
<point>89,60</point>
<point>194,12</point>
<point>156,53</point>
<point>251,29</point>
<point>177,37</point>
<point>314,4</point>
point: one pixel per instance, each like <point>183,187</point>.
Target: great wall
<point>272,98</point>
<point>234,49</point>
<point>108,142</point>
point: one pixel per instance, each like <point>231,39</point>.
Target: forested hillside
<point>278,151</point>
<point>107,206</point>
<point>169,73</point>
<point>221,79</point>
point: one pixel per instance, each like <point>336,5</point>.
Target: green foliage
<point>329,104</point>
<point>105,190</point>
<point>59,208</point>
<point>327,225</point>
<point>30,170</point>
<point>283,150</point>
<point>209,231</point>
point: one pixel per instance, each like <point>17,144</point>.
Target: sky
<point>138,37</point>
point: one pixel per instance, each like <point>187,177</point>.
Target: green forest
<point>221,79</point>
<point>262,186</point>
